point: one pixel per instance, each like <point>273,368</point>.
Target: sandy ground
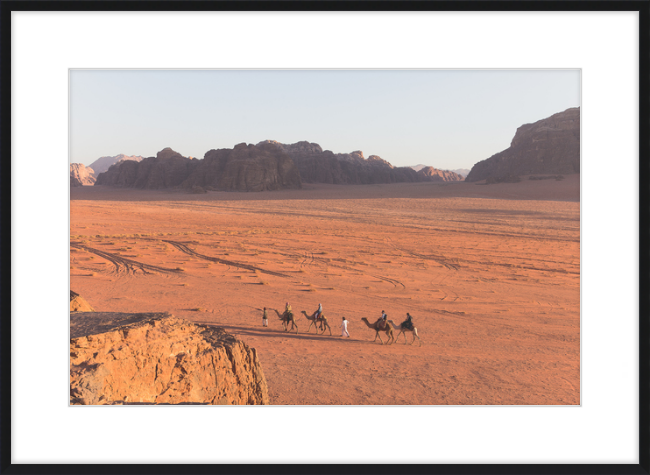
<point>489,273</point>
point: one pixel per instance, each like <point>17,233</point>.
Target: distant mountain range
<point>268,165</point>
<point>549,146</point>
<point>459,171</point>
<point>104,163</point>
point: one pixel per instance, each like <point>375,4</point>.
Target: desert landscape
<point>455,281</point>
<point>490,274</point>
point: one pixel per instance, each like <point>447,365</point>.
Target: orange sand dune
<point>489,273</point>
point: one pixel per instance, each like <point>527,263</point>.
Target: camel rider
<point>318,312</point>
<point>408,323</point>
<point>287,310</point>
<point>382,321</point>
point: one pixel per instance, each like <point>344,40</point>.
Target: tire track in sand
<point>328,262</point>
<point>183,248</point>
<point>123,265</point>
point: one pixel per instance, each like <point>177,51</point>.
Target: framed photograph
<point>384,235</point>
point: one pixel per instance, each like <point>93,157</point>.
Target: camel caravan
<point>319,321</point>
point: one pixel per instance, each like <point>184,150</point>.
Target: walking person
<point>265,319</point>
<point>344,328</point>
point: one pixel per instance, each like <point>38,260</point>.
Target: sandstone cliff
<point>126,358</point>
<point>243,168</point>
<point>548,146</point>
<point>433,174</point>
<point>250,167</point>
<point>81,175</point>
<point>318,166</point>
<point>104,163</point>
<point>166,170</point>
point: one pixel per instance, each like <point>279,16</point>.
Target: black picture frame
<point>7,7</point>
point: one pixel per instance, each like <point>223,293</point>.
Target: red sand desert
<point>490,274</point>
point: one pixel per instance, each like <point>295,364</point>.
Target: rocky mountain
<point>167,169</point>
<point>144,358</point>
<point>433,174</point>
<point>243,168</point>
<point>104,163</point>
<point>418,167</point>
<point>261,167</point>
<point>81,175</point>
<point>461,171</point>
<point>318,166</point>
<point>269,165</point>
<point>548,146</point>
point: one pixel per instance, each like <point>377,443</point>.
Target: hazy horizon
<point>449,119</point>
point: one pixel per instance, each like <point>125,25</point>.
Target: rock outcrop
<point>78,303</point>
<point>144,358</point>
<point>81,175</point>
<point>260,167</point>
<point>104,163</point>
<point>243,168</point>
<point>433,174</point>
<point>548,146</point>
<point>167,169</point>
<point>318,166</point>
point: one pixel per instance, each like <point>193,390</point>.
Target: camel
<point>375,326</point>
<point>286,319</point>
<point>404,330</point>
<point>323,322</point>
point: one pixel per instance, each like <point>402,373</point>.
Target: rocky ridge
<point>243,168</point>
<point>166,170</point>
<point>318,166</point>
<point>548,146</point>
<point>145,358</point>
<point>266,166</point>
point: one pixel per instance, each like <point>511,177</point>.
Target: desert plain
<point>490,274</point>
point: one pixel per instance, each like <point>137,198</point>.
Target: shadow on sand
<point>272,333</point>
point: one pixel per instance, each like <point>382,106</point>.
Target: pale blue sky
<point>446,119</point>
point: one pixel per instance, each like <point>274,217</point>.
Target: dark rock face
<point>81,175</point>
<point>433,174</point>
<point>244,168</point>
<point>102,164</point>
<point>261,167</point>
<point>548,146</point>
<point>318,166</point>
<point>167,169</point>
